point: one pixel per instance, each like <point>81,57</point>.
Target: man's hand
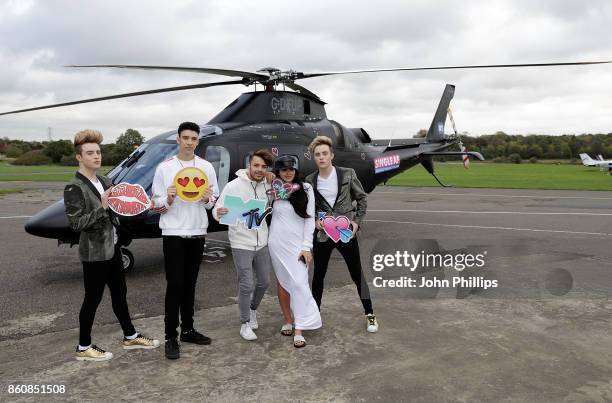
<point>207,193</point>
<point>270,177</point>
<point>318,225</point>
<point>355,228</point>
<point>171,194</point>
<point>104,198</point>
<point>307,255</point>
<point>221,211</point>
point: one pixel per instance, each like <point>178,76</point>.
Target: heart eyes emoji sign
<point>190,184</point>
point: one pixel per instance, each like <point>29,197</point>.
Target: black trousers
<point>350,252</point>
<point>182,258</point>
<point>97,275</point>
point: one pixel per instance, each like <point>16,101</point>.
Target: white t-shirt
<point>182,218</point>
<point>328,187</point>
<point>100,189</point>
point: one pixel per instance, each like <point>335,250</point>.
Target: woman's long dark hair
<point>299,198</point>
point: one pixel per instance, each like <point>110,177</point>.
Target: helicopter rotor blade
<point>481,66</point>
<point>302,90</point>
<point>129,94</point>
<point>221,72</point>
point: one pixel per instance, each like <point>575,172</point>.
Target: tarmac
<point>540,336</point>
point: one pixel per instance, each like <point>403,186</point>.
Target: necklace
<point>183,166</point>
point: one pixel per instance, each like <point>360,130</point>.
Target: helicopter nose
<point>50,223</point>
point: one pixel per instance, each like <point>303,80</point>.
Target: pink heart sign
<point>337,228</point>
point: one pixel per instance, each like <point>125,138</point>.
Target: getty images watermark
<point>461,268</point>
<point>408,261</point>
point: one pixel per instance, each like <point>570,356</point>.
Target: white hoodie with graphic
<point>240,237</point>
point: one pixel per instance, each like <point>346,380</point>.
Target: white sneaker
<point>372,323</point>
<point>253,320</point>
<point>247,333</point>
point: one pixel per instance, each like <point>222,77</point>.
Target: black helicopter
<point>283,121</point>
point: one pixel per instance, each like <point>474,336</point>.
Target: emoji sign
<point>337,228</point>
<point>191,183</point>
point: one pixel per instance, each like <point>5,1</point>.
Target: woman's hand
<point>306,256</point>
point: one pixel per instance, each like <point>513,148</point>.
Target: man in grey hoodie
<point>249,246</point>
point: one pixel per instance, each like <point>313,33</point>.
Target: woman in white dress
<point>290,244</point>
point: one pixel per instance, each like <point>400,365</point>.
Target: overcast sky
<point>37,38</point>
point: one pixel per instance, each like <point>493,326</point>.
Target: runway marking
<point>488,212</point>
<point>491,227</point>
<point>18,216</point>
<point>498,195</point>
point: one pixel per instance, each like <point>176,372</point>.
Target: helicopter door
<point>219,157</point>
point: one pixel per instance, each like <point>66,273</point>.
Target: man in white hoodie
<point>249,246</point>
<point>183,224</point>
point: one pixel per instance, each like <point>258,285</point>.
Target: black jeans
<point>96,275</point>
<point>350,252</point>
<point>182,258</point>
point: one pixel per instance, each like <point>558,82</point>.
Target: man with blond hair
<point>338,192</point>
<point>86,203</point>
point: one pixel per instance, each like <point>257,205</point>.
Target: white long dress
<point>289,235</point>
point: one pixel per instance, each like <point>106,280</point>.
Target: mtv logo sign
<point>251,213</point>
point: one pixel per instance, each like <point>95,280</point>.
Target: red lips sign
<point>128,200</point>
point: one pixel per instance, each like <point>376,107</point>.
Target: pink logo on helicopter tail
<point>386,163</point>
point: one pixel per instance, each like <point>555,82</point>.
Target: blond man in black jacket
<point>86,203</point>
<point>338,192</point>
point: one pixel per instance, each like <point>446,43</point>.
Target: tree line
<point>495,147</point>
<point>62,151</point>
<point>502,147</point>
<point>538,146</point>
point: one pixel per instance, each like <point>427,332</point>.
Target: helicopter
<point>282,121</point>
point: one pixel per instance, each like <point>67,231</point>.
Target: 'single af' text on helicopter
<point>283,121</point>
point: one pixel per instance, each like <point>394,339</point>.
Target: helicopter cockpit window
<point>219,157</point>
<point>338,134</point>
<point>143,170</point>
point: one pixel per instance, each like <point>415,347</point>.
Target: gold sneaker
<point>93,353</point>
<point>140,342</point>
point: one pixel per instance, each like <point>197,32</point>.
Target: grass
<point>480,175</point>
<point>38,173</point>
<point>5,191</point>
<point>508,176</point>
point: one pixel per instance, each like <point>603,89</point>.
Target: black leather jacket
<point>351,201</point>
<point>86,215</point>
